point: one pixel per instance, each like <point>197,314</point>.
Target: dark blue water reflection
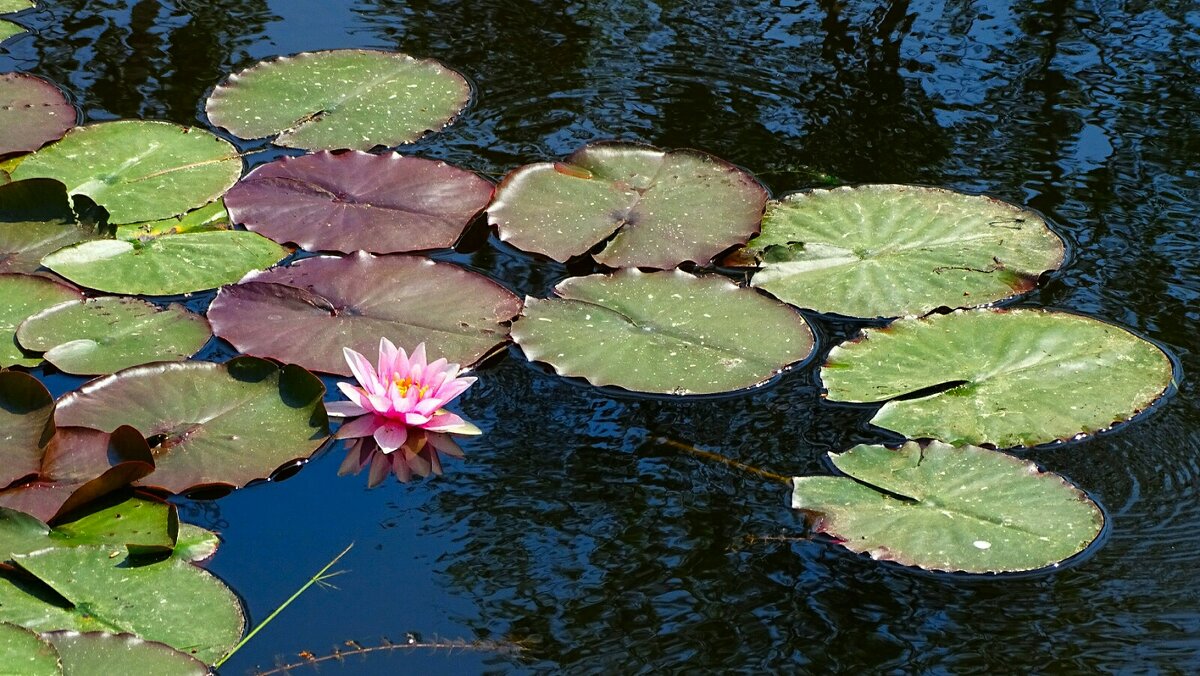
<point>569,528</point>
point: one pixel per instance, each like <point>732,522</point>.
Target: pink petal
<point>355,395</point>
<point>363,372</point>
<point>433,370</point>
<point>390,436</point>
<point>416,367</point>
<point>417,463</point>
<point>454,388</point>
<point>357,457</point>
<point>415,419</point>
<point>401,470</point>
<point>444,443</point>
<point>344,409</point>
<point>359,427</point>
<point>387,359</point>
<point>452,424</point>
<point>426,407</point>
<point>435,463</point>
<point>380,466</point>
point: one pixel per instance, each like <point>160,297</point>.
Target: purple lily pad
<point>79,466</point>
<point>33,112</point>
<point>348,201</point>
<point>305,314</point>
<point>649,207</point>
<point>26,425</point>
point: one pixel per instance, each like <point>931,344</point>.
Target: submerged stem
<point>730,462</point>
<point>320,576</point>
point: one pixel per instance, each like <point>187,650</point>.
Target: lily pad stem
<point>730,462</point>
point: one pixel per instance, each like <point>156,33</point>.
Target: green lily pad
<point>345,98</point>
<point>195,543</point>
<point>79,466</point>
<point>167,265</point>
<point>652,208</point>
<point>34,111</point>
<point>209,423</point>
<point>26,425</point>
<point>138,170</point>
<point>9,29</point>
<point>945,508</point>
<point>10,6</point>
<point>104,335</point>
<point>20,297</point>
<point>105,653</point>
<point>891,250</point>
<point>36,219</point>
<point>307,312</point>
<point>140,525</point>
<point>170,601</point>
<point>1007,378</point>
<point>24,652</point>
<point>666,332</point>
<point>211,216</point>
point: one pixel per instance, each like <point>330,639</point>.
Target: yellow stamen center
<point>402,384</point>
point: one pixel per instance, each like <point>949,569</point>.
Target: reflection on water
<point>567,525</point>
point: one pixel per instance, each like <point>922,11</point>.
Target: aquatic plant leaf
<point>10,6</point>
<point>9,29</point>
<point>652,208</point>
<point>167,265</point>
<point>34,111</point>
<point>20,297</point>
<point>106,653</point>
<point>170,601</point>
<point>941,507</point>
<point>141,525</point>
<point>208,423</point>
<point>36,219</point>
<point>78,466</point>
<point>139,170</point>
<point>892,250</point>
<point>1006,378</point>
<point>211,216</point>
<point>26,425</point>
<point>195,543</point>
<point>666,332</point>
<point>344,98</point>
<point>353,201</point>
<point>104,335</point>
<point>306,313</point>
<point>24,652</point>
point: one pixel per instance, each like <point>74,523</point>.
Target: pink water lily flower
<point>404,394</point>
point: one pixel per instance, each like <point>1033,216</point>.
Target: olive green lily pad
<point>167,265</point>
<point>24,652</point>
<point>33,110</point>
<point>26,425</point>
<point>195,543</point>
<point>345,98</point>
<point>138,170</point>
<point>945,508</point>
<point>665,332</point>
<point>652,208</point>
<point>104,335</point>
<point>36,219</point>
<point>86,654</point>
<point>9,29</point>
<point>892,250</point>
<point>20,297</point>
<point>211,216</point>
<point>10,6</point>
<point>1005,378</point>
<point>209,423</point>
<point>171,601</point>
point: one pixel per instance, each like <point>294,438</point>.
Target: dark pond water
<point>569,528</point>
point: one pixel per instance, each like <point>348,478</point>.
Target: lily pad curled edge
<point>894,250</point>
<point>663,332</point>
<point>344,98</point>
<point>307,312</point>
<point>1005,378</point>
<point>210,424</point>
<point>26,425</point>
<point>24,652</point>
<point>138,170</point>
<point>37,219</point>
<point>23,296</point>
<point>940,507</point>
<point>352,200</point>
<point>651,208</point>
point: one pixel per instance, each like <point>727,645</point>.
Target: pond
<point>576,528</point>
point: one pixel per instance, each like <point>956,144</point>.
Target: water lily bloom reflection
<point>399,405</point>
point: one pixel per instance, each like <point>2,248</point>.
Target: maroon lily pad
<point>208,424</point>
<point>349,201</point>
<point>33,112</point>
<point>79,466</point>
<point>647,207</point>
<point>26,425</point>
<point>306,313</point>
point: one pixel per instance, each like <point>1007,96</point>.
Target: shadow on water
<point>568,528</point>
